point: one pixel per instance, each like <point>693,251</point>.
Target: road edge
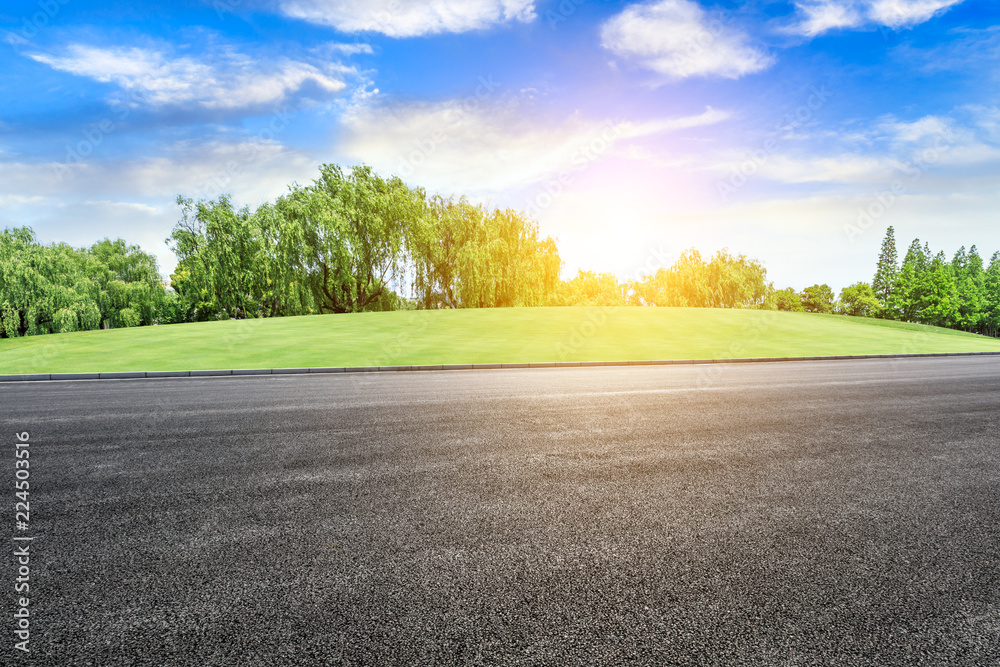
<point>127,375</point>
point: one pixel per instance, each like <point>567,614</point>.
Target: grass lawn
<point>476,336</point>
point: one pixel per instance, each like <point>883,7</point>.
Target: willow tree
<point>468,257</point>
<point>726,281</point>
<point>56,288</point>
<point>346,236</point>
<point>231,262</point>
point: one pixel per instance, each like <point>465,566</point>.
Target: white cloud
<point>902,13</point>
<point>410,18</point>
<point>680,39</point>
<point>221,82</point>
<point>928,126</point>
<point>847,168</point>
<point>348,49</point>
<point>456,146</point>
<point>818,16</point>
<point>931,149</point>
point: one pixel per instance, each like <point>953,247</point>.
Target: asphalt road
<point>802,513</point>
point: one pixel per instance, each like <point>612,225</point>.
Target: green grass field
<point>477,336</point>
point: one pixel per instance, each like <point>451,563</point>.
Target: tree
<point>936,294</point>
<point>969,277</point>
<point>991,298</point>
<point>229,262</point>
<point>887,270</point>
<point>125,278</point>
<point>466,256</point>
<point>58,288</point>
<point>591,289</point>
<point>726,281</point>
<point>859,300</point>
<point>347,237</point>
<point>788,299</point>
<point>818,299</point>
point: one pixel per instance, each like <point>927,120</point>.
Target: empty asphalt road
<point>801,513</point>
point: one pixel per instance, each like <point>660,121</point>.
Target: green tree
<point>588,288</point>
<point>788,299</point>
<point>886,272</point>
<point>859,300</point>
<point>57,288</point>
<point>234,264</point>
<point>124,278</point>
<point>990,324</point>
<point>347,236</point>
<point>970,277</point>
<point>467,257</point>
<point>817,299</point>
<point>937,294</point>
<point>726,281</point>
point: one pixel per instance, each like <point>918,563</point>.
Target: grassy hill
<point>477,336</point>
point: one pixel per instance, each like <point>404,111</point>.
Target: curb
<point>45,377</point>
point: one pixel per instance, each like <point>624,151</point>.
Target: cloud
<point>134,198</point>
<point>847,168</point>
<point>410,18</point>
<point>903,13</point>
<point>473,148</point>
<point>816,17</point>
<point>942,150</point>
<point>345,49</point>
<point>821,17</point>
<point>920,129</point>
<point>222,81</point>
<point>679,39</point>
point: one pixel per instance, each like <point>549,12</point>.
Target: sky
<point>793,132</point>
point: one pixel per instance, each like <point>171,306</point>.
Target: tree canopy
<point>58,288</point>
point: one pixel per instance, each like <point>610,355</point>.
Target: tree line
<point>353,241</point>
<point>56,288</point>
<point>961,293</point>
<point>925,288</point>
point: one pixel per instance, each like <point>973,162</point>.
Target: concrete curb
<point>44,377</point>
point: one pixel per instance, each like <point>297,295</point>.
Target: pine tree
<point>991,298</point>
<point>937,297</point>
<point>970,278</point>
<point>885,274</point>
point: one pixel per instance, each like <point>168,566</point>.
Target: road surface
<point>802,513</point>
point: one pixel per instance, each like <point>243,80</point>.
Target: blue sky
<point>792,131</point>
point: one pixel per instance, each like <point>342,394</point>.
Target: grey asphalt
<point>804,513</point>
